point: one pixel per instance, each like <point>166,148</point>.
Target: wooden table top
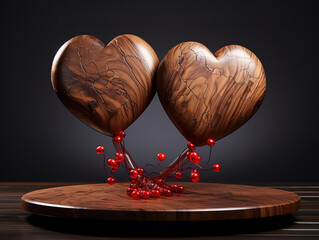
<point>15,223</point>
<point>199,202</point>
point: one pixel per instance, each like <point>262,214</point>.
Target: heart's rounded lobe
<point>105,86</point>
<point>210,96</point>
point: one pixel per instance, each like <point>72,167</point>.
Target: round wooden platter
<point>199,202</point>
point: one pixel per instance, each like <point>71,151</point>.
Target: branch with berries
<point>153,185</point>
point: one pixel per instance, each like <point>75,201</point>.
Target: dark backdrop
<point>42,141</point>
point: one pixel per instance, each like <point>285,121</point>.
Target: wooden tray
<point>199,202</point>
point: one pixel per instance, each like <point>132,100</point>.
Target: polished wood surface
<point>201,201</point>
<point>210,95</point>
<point>106,87</point>
<point>15,223</point>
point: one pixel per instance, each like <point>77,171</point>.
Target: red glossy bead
<point>210,142</point>
<point>188,152</point>
<point>155,193</point>
<point>114,169</point>
<point>121,134</point>
<point>161,156</point>
<point>117,139</point>
<point>119,156</point>
<point>195,171</point>
<point>193,156</point>
<point>195,176</point>
<point>116,165</point>
<point>174,188</point>
<point>151,185</point>
<point>129,191</point>
<point>112,163</point>
<point>179,175</point>
<point>141,171</point>
<point>160,181</point>
<point>146,194</point>
<point>160,189</point>
<point>197,161</point>
<point>135,194</point>
<point>216,167</point>
<point>190,146</point>
<point>100,150</point>
<point>110,180</point>
<point>181,189</point>
<point>167,192</point>
<point>133,173</point>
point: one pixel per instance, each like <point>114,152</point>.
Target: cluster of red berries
<point>142,187</point>
<point>153,189</point>
<point>119,137</point>
<point>114,164</point>
<point>135,173</point>
<point>196,159</point>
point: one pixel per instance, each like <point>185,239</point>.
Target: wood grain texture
<point>200,202</point>
<point>106,87</point>
<point>210,95</point>
<point>15,223</point>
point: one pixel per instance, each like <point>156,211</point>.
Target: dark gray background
<point>42,141</point>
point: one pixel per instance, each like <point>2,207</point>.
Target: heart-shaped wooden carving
<point>210,96</point>
<point>106,87</point>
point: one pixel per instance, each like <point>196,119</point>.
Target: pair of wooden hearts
<point>205,95</point>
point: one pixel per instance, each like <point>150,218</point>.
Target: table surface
<point>199,202</point>
<point>15,223</point>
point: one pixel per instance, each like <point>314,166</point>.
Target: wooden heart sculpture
<point>210,95</point>
<point>106,87</point>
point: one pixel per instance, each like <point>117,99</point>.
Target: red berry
<point>160,189</point>
<point>160,181</point>
<point>129,191</point>
<point>179,175</point>
<point>210,142</point>
<point>190,146</point>
<point>195,176</point>
<point>181,189</point>
<point>119,156</point>
<point>117,139</point>
<point>116,166</point>
<point>193,156</point>
<point>146,194</point>
<point>167,192</point>
<point>100,150</point>
<point>216,167</point>
<point>155,193</point>
<point>197,161</point>
<point>133,173</point>
<point>195,171</point>
<point>112,163</point>
<point>110,180</point>
<point>114,169</point>
<point>141,171</point>
<point>136,194</point>
<point>151,185</point>
<point>121,134</point>
<point>161,156</point>
<point>174,188</point>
